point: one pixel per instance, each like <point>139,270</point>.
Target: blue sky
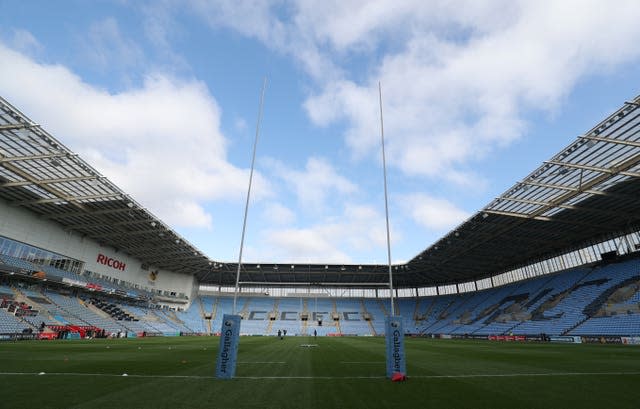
<point>162,97</point>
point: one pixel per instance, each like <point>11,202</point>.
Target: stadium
<point>533,301</point>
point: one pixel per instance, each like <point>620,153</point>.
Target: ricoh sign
<point>111,262</point>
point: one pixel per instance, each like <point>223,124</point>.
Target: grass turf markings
<point>460,376</point>
<point>442,373</point>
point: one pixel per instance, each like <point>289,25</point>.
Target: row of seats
<point>552,304</point>
<point>561,303</point>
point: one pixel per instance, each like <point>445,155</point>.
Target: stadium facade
<point>555,254</point>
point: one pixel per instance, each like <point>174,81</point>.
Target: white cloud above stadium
<point>162,98</point>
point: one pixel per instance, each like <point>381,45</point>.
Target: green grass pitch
<point>338,373</point>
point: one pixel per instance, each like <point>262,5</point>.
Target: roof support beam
<point>86,213</point>
<point>48,181</point>
<point>13,127</point>
<point>64,198</point>
<point>24,175</point>
<point>566,188</point>
<point>5,159</point>
<point>614,170</point>
<point>635,102</point>
<point>167,251</point>
<point>569,207</point>
<point>547,219</point>
<point>101,223</point>
<point>629,162</point>
<point>611,140</point>
<point>124,233</point>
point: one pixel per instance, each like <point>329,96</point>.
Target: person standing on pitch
<point>315,334</point>
<point>279,334</point>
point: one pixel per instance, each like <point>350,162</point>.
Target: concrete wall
<point>21,225</point>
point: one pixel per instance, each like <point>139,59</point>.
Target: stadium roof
<point>38,173</point>
<point>586,193</point>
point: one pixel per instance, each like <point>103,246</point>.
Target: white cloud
<point>451,97</point>
<point>335,229</point>
<point>250,17</point>
<point>358,229</point>
<point>25,42</point>
<point>278,214</point>
<point>107,48</point>
<point>240,125</point>
<point>161,29</point>
<point>314,186</point>
<point>277,24</point>
<point>304,245</point>
<point>367,228</point>
<point>353,25</point>
<point>160,142</point>
<point>188,213</point>
<point>458,77</point>
<point>433,213</point>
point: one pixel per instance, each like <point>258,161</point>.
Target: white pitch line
<point>310,377</point>
<point>107,375</point>
<point>512,375</point>
<point>515,375</point>
<point>451,376</point>
<point>275,362</point>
